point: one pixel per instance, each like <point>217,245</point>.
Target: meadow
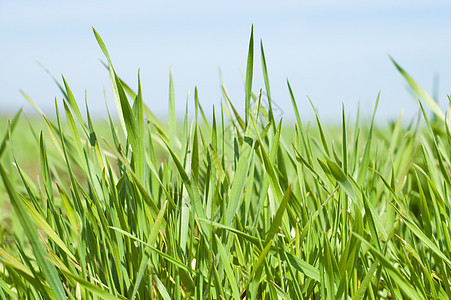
<point>226,206</point>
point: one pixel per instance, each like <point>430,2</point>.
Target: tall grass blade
<point>420,92</point>
<point>249,74</point>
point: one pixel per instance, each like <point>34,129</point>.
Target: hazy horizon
<point>332,53</point>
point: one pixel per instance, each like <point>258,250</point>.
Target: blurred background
<point>333,52</point>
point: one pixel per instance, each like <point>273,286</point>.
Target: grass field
<point>224,206</point>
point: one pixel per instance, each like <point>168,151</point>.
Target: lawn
<point>226,206</point>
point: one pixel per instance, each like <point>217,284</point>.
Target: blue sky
<point>333,52</point>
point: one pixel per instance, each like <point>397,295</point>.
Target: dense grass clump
<point>227,208</point>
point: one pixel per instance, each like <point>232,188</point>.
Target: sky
<point>332,52</point>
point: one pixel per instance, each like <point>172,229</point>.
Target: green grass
<point>224,206</point>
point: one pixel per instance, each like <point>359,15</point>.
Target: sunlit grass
<point>225,206</point>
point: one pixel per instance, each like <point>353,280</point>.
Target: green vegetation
<point>228,208</point>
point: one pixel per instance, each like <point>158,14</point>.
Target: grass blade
<point>420,92</point>
<point>249,73</point>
